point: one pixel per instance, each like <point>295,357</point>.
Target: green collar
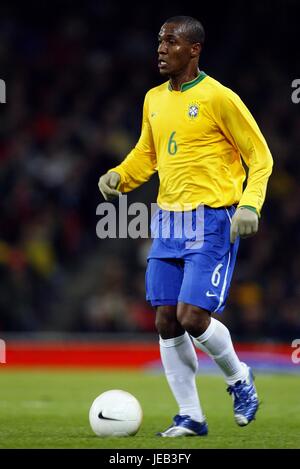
<point>190,84</point>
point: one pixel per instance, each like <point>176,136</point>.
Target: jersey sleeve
<point>241,129</point>
<point>140,163</point>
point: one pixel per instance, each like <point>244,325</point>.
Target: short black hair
<point>193,28</point>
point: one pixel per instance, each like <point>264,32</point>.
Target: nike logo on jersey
<point>208,293</point>
<point>101,416</point>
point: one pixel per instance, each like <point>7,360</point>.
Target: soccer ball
<point>115,413</point>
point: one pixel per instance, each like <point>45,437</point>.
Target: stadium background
<point>76,74</point>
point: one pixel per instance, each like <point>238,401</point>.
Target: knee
<point>166,322</point>
<point>193,319</point>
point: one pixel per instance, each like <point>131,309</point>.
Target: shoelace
<point>240,393</point>
<point>179,419</point>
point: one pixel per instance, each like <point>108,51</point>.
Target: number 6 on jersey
<point>172,145</point>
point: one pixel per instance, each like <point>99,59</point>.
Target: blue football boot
<point>183,425</point>
<point>245,400</point>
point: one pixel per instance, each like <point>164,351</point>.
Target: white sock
<point>180,363</point>
<point>216,342</point>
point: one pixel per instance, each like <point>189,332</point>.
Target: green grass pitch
<point>49,409</point>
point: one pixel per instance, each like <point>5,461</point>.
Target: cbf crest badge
<point>193,110</point>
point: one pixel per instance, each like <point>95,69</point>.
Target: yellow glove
<point>244,223</point>
<point>108,183</point>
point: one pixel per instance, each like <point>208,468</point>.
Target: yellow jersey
<point>195,139</point>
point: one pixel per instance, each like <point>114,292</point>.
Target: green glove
<point>108,184</point>
<point>244,223</point>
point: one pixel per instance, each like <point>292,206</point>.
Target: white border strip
<point>226,274</point>
<point>224,285</point>
<point>228,215</point>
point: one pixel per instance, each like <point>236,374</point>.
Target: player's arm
<point>137,167</point>
<point>241,129</point>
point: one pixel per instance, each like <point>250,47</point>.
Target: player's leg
<point>179,359</point>
<point>213,338</point>
<point>180,364</point>
<point>216,341</point>
<point>204,289</point>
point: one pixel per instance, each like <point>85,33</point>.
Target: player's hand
<point>107,185</point>
<point>244,223</point>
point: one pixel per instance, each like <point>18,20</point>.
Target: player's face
<point>174,50</point>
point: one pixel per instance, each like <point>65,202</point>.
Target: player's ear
<point>196,49</point>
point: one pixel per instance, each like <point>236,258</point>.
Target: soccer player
<point>195,133</point>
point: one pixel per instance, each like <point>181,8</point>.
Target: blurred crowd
<point>76,78</point>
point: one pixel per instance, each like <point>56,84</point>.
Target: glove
<point>107,185</point>
<point>244,223</point>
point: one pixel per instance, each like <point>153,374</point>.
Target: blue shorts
<point>193,272</point>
